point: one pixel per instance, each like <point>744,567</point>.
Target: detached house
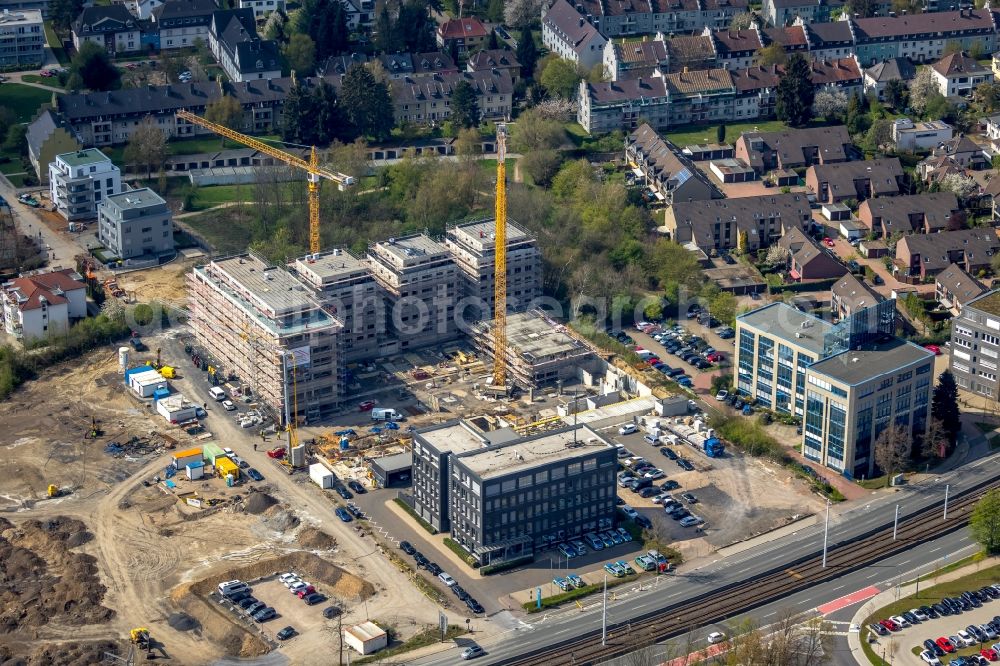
<point>112,28</point>
<point>465,35</point>
<point>243,55</point>
<point>836,183</point>
<point>35,306</point>
<point>957,75</point>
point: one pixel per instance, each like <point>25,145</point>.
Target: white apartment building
<point>80,181</point>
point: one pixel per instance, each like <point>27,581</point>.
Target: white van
<point>217,393</point>
<point>383,414</point>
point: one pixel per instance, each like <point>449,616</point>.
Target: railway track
<point>738,598</point>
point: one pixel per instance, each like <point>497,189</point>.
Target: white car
<point>446,579</point>
<point>929,657</point>
<point>628,429</point>
<point>722,395</point>
<point>919,614</point>
<point>966,638</point>
<point>716,637</point>
<point>900,620</point>
<point>228,405</point>
<point>287,578</point>
<point>295,587</point>
<point>629,511</point>
<point>655,474</point>
<point>691,521</point>
<point>228,451</point>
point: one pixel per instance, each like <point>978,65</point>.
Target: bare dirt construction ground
<point>164,283</point>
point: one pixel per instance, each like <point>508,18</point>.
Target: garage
<point>390,471</point>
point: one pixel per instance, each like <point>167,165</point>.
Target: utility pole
<point>895,523</point>
<point>826,532</point>
<point>604,615</point>
<point>946,502</point>
<point>340,636</point>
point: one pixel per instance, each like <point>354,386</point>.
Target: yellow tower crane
<point>312,168</point>
<point>499,384</point>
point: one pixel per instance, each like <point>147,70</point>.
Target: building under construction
<point>345,286</point>
<point>264,326</point>
<point>473,247</point>
<point>539,350</point>
<point>420,281</point>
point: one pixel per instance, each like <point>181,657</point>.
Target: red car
<point>277,453</point>
<point>890,625</point>
<point>714,357</point>
<point>828,242</point>
<point>307,590</point>
<point>990,654</point>
<point>366,406</point>
<point>945,645</point>
<point>933,348</point>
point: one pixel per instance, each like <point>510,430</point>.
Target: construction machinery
<point>498,386</point>
<point>53,490</point>
<point>140,637</point>
<point>313,171</point>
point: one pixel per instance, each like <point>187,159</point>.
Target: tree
<point>892,450</point>
<point>385,38</point>
<point>494,11</point>
<point>147,147</point>
<point>226,111</point>
<point>956,220</point>
<point>961,185</point>
<point>830,104</point>
<point>416,27</point>
<point>541,165</point>
<point>559,77</point>
<point>7,118</point>
<point>522,13</point>
<point>274,28</point>
<point>862,8</point>
<point>297,112</point>
<point>934,443</point>
<point>987,96</point>
<point>464,106</point>
<point>879,135</point>
<point>896,94</point>
<point>91,68</point>
<point>796,93</point>
<point>527,53</point>
<point>944,405</point>
<point>16,140</point>
<point>777,255</point>
<point>772,54</point>
<point>329,118</point>
<point>532,131</point>
<point>720,134</point>
<point>984,523</point>
<point>952,46</point>
<point>468,143</point>
<point>855,119</point>
<point>300,52</point>
<point>723,382</point>
<point>741,21</point>
<point>64,12</point>
<point>922,88</point>
<point>366,103</point>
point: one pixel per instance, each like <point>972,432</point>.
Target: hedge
<point>586,590</point>
<point>462,553</point>
<point>409,509</point>
<point>814,285</point>
<point>504,566</point>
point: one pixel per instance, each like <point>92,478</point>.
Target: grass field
<point>707,133</point>
<point>23,100</point>
<point>16,181</point>
<point>219,231</point>
<point>13,166</point>
<point>50,81</point>
<point>56,45</point>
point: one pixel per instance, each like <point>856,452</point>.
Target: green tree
<point>527,53</point>
<point>796,93</point>
<point>16,140</point>
<point>560,77</point>
<point>146,147</point>
<point>540,165</point>
<point>720,134</point>
<point>226,111</point>
<point>892,450</point>
<point>328,117</point>
<point>984,523</point>
<point>494,11</point>
<point>300,52</point>
<point>366,103</point>
<point>64,12</point>
<point>468,143</point>
<point>862,8</point>
<point>654,311</point>
<point>944,405</point>
<point>533,131</point>
<point>856,120</point>
<point>91,68</point>
<point>416,27</point>
<point>464,105</point>
<point>297,113</point>
<point>896,94</point>
<point>772,54</point>
<point>385,38</point>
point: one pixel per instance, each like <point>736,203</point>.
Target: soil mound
<point>258,503</point>
<point>280,520</point>
<point>315,539</point>
<point>42,580</point>
<point>182,622</point>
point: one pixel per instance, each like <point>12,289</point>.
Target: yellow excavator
<point>140,637</point>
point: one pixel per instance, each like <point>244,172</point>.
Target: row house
<point>836,183</point>
<point>953,288</point>
<point>795,148</point>
<point>396,65</point>
<point>664,169</point>
<point>927,213</point>
<point>921,256</point>
<point>719,224</point>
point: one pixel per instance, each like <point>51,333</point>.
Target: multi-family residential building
<point>849,380</point>
<point>80,181</point>
<point>135,224</point>
<point>957,75</point>
<point>22,39</point>
<point>619,18</point>
<point>463,36</point>
<point>473,249</point>
<point>421,283</point>
<point>26,5</point>
<point>924,135</point>
<point>923,37</point>
<point>920,256</point>
<point>795,148</point>
<point>612,105</point>
<point>850,295</point>
<point>665,170</point>
<point>975,345</point>
<point>835,183</point>
<point>953,288</point>
<point>629,59</point>
<point>501,495</point>
<point>111,27</point>
<point>143,9</point>
<point>787,12</point>
<point>242,54</point>
<point>37,305</point>
<point>961,151</point>
<point>397,65</point>
<point>428,99</point>
<point>344,285</point>
<point>495,59</point>
<point>878,76</point>
<point>917,213</point>
<point>261,324</point>
<point>568,34</point>
<point>49,135</point>
<point>811,262</point>
<point>263,8</point>
<point>720,224</point>
<point>182,22</point>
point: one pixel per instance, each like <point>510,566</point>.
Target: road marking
<point>936,549</point>
<point>771,614</point>
<point>905,562</point>
<point>848,600</point>
<point>794,574</point>
<point>838,588</point>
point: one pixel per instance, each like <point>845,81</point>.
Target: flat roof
<point>140,198</point>
<point>329,267</point>
<point>531,452</point>
<point>176,401</point>
<point>480,235</point>
<point>782,321</point>
<point>533,337</point>
<point>273,286</point>
<point>81,157</point>
<point>454,436</point>
<point>394,463</point>
<point>988,303</point>
<point>366,631</point>
<point>13,17</point>
<point>409,247</point>
<point>856,366</point>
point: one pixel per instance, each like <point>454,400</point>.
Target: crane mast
<point>500,267</point>
<point>313,171</point>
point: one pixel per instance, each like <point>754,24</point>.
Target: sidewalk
<point>890,595</point>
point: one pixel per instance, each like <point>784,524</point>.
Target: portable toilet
<point>195,470</point>
<point>345,443</point>
<point>229,480</point>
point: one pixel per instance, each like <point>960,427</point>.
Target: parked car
<point>314,598</point>
<point>254,474</point>
<point>286,633</point>
<point>628,429</point>
<point>343,514</point>
<point>446,579</point>
<point>356,487</point>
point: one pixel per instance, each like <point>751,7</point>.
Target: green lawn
<point>13,166</point>
<point>217,228</point>
<point>707,133</point>
<point>51,81</point>
<point>213,195</point>
<point>17,181</point>
<point>23,100</point>
<point>56,45</point>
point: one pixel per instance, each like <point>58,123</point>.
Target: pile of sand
<point>279,519</point>
<point>258,503</point>
<point>42,580</point>
<point>182,622</point>
<point>314,539</point>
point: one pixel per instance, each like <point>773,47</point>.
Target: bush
<point>462,553</point>
<point>504,566</point>
<point>748,436</point>
<point>409,509</point>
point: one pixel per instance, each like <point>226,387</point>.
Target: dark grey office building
<point>499,494</point>
<point>975,345</point>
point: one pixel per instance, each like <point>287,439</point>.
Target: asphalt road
<point>564,624</point>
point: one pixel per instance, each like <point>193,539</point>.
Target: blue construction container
<point>136,369</point>
<point>160,393</point>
